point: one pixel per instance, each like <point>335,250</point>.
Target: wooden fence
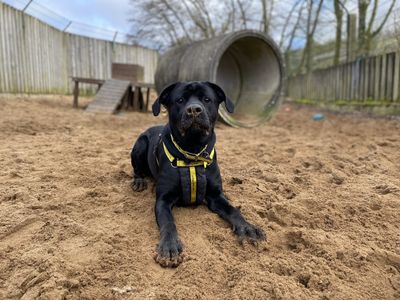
<point>373,78</point>
<point>37,58</point>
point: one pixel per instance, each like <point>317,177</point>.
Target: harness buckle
<point>206,155</point>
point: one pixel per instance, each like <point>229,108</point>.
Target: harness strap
<point>195,161</point>
<point>192,156</point>
<point>193,184</point>
<point>181,163</point>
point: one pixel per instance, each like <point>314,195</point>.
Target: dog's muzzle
<point>194,110</point>
<point>195,118</point>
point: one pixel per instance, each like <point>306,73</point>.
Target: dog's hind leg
<point>140,164</point>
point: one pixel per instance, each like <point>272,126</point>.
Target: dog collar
<point>194,160</point>
<point>201,156</point>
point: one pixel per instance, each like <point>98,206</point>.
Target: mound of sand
<point>326,193</point>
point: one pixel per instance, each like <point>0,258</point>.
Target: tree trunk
<point>264,21</point>
<point>292,36</point>
<point>362,25</point>
<point>366,33</point>
<point>310,52</point>
<point>339,23</point>
<point>242,14</point>
<point>307,57</point>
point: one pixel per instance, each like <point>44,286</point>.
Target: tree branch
<point>289,17</point>
<point>384,20</point>
<point>177,17</point>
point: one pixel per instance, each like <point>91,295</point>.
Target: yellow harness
<point>195,160</point>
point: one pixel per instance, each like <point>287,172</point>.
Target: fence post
<point>396,76</point>
<point>377,78</point>
<point>382,83</point>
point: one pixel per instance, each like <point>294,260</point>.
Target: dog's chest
<point>193,183</point>
<point>191,168</point>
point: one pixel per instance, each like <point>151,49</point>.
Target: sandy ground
<point>326,193</point>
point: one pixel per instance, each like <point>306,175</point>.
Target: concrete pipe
<point>246,64</point>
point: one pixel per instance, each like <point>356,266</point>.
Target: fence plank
<point>376,78</point>
<point>396,78</point>
<point>382,82</point>
<point>365,79</point>
<point>371,75</point>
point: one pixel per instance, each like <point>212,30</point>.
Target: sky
<point>109,15</point>
<point>102,18</point>
<point>106,14</point>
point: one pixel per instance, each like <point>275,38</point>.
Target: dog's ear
<point>163,98</point>
<point>222,97</point>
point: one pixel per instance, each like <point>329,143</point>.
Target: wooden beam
<point>136,105</point>
<point>76,94</point>
<point>88,80</point>
<point>147,99</point>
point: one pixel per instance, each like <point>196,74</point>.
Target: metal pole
<point>26,6</point>
<point>115,36</point>
<point>66,27</point>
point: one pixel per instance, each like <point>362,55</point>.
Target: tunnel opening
<point>250,72</point>
<point>247,64</point>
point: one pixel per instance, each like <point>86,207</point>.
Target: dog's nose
<point>194,110</point>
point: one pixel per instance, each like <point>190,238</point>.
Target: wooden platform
<point>110,96</point>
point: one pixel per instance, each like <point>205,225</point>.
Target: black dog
<point>182,159</point>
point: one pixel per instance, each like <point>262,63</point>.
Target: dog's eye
<point>207,99</point>
<point>180,100</point>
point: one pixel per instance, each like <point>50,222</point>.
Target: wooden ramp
<point>110,96</point>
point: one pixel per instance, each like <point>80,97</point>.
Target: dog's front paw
<point>246,231</point>
<point>138,184</point>
<point>169,253</point>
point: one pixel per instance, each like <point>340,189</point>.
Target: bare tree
<point>233,10</point>
<point>339,24</point>
<point>365,27</point>
<point>292,35</point>
<point>395,32</point>
<point>243,13</point>
<point>311,25</point>
<point>175,22</point>
<point>287,23</point>
<point>200,16</point>
<point>267,9</point>
<point>177,16</point>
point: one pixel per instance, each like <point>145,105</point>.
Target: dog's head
<point>192,106</point>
